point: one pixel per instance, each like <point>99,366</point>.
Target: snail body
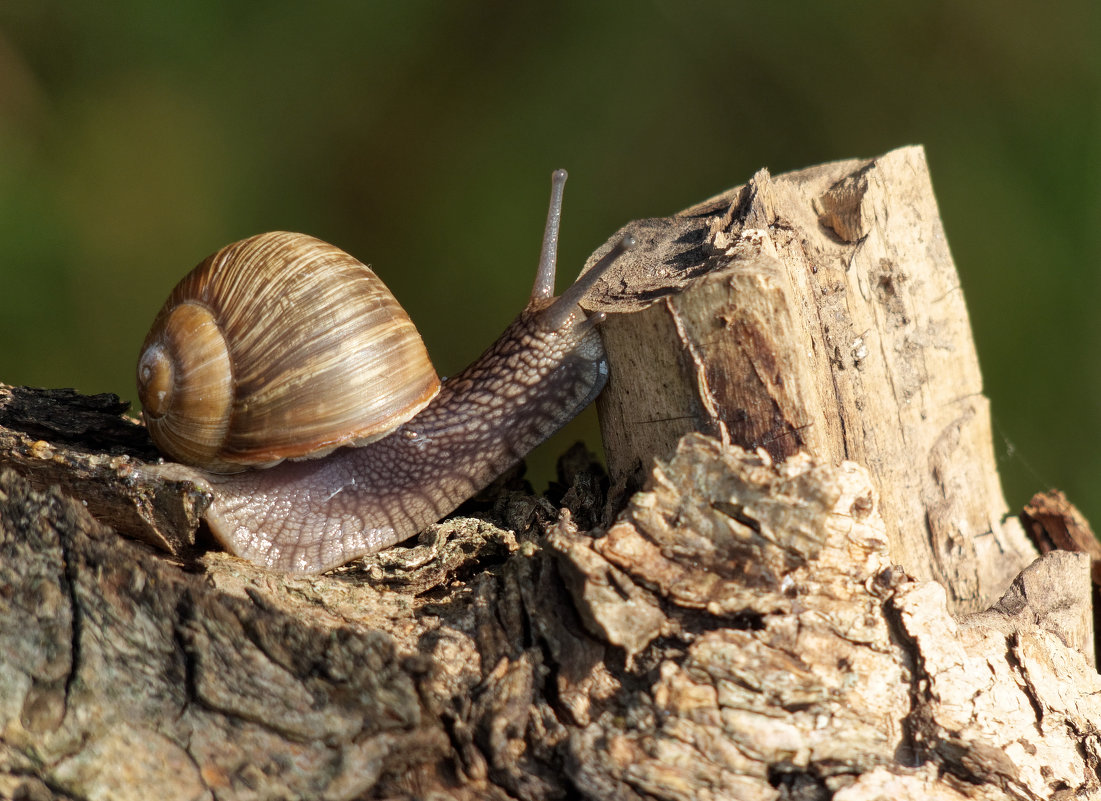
<point>448,442</point>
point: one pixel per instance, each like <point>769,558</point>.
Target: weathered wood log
<point>740,631</point>
<point>830,320</point>
<point>743,630</point>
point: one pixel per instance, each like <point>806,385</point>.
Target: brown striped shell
<point>277,347</point>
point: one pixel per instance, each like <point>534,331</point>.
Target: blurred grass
<point>136,138</point>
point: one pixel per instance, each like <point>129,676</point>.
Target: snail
<point>288,375</point>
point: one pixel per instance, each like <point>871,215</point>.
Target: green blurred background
<point>136,138</point>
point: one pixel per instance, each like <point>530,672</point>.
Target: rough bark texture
<point>83,444</point>
<point>830,320</point>
<point>743,630</point>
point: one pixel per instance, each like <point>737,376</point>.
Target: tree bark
<point>755,624</point>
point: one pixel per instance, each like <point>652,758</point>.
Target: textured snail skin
<point>306,517</point>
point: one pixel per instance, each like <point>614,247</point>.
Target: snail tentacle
<point>548,255</point>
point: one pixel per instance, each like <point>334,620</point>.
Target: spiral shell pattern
<point>279,346</point>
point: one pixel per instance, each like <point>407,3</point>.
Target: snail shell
<point>279,346</point>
